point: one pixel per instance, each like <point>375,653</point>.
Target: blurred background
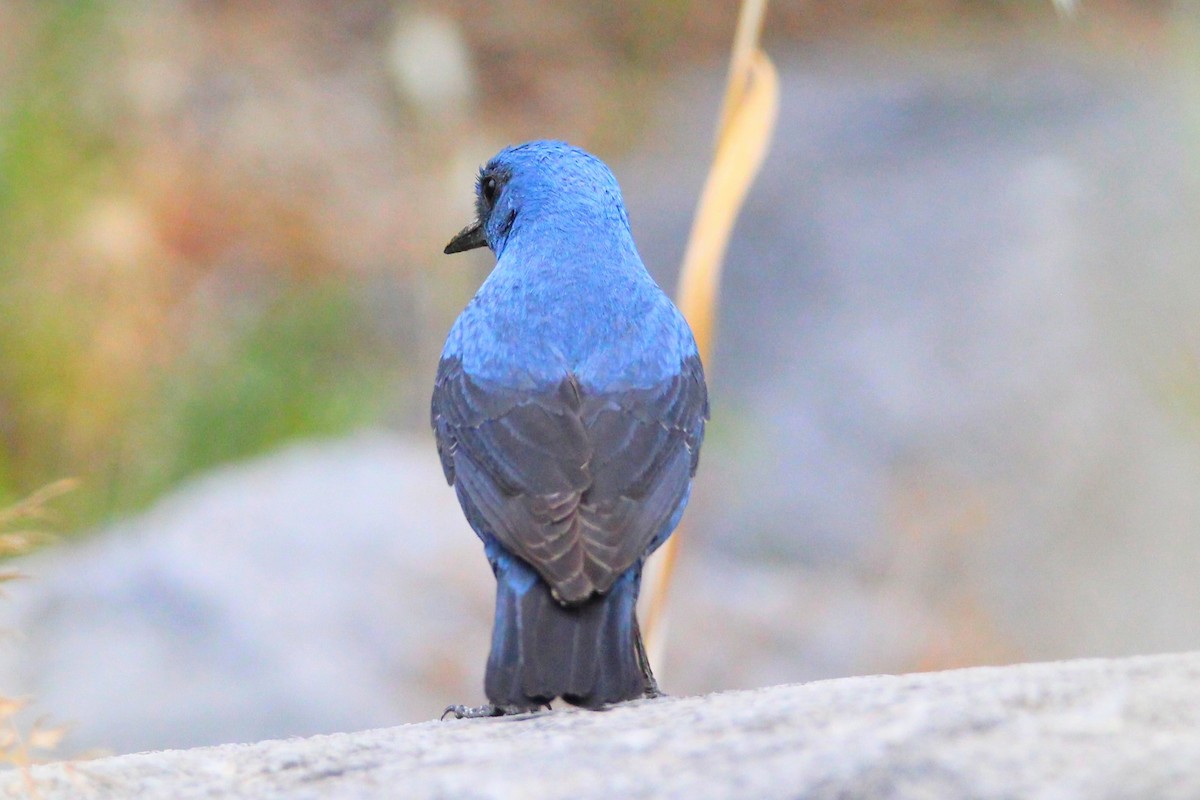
<point>956,389</point>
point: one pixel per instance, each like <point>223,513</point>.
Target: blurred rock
<point>335,586</point>
<point>328,587</point>
<point>954,310</point>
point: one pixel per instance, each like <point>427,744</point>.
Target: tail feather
<point>587,654</point>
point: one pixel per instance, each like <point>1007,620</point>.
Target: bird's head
<point>540,180</point>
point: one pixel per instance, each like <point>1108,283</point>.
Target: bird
<point>569,408</point>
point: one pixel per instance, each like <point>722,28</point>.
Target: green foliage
<point>49,160</point>
<point>105,373</point>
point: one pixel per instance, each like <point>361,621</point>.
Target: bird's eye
<point>489,190</point>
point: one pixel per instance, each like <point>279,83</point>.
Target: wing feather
<point>577,481</point>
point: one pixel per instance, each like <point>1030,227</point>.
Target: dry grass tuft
<point>22,529</point>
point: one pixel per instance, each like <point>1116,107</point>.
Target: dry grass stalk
<point>22,751</point>
<point>748,116</point>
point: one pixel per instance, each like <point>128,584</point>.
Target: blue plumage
<point>569,408</point>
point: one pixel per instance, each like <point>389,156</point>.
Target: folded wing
<point>576,481</point>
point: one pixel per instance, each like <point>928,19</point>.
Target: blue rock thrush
<point>569,408</point>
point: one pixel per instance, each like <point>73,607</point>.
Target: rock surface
<point>1078,729</point>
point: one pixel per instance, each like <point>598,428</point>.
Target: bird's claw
<point>472,712</point>
<point>489,710</point>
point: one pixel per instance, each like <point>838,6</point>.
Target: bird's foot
<point>489,710</point>
<point>473,712</point>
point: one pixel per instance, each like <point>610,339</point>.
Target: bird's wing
<point>576,482</point>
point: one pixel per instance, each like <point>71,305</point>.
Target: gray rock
<point>332,585</point>
<point>335,586</point>
<point>957,335</point>
<point>1085,729</point>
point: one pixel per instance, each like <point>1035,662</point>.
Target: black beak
<point>468,238</point>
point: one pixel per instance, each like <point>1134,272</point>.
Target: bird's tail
<point>589,655</point>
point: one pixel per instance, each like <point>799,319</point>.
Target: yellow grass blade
<point>10,706</point>
<point>739,158</point>
<point>747,121</point>
<point>15,750</point>
<point>745,47</point>
<point>34,506</point>
<point>45,737</point>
